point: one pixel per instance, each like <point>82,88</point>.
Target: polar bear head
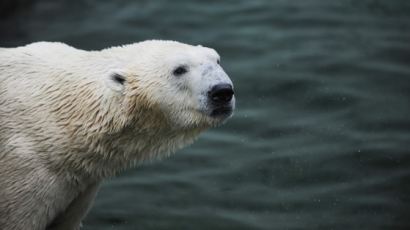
<point>184,83</point>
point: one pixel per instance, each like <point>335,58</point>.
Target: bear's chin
<point>215,118</point>
<point>199,120</point>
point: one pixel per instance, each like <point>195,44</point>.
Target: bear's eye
<point>218,61</point>
<point>118,78</point>
<point>180,70</point>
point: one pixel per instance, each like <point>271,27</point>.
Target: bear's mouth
<point>223,111</point>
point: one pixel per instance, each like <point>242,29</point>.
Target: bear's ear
<point>116,80</point>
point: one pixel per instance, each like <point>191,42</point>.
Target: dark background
<point>321,135</point>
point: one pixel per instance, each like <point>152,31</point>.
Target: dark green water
<point>321,136</point>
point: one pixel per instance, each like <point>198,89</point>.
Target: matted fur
<point>63,129</point>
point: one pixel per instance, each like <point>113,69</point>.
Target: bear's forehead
<point>170,54</point>
<point>210,52</point>
<point>192,54</point>
<point>174,48</point>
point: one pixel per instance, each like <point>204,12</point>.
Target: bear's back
<point>37,55</point>
<point>25,69</point>
<point>26,73</point>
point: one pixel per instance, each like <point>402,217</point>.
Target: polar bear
<point>70,118</point>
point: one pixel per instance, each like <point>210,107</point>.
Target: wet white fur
<point>66,124</point>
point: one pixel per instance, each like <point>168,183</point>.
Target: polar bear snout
<point>221,100</point>
<point>221,94</point>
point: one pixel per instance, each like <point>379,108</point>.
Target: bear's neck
<point>134,144</point>
<point>104,143</point>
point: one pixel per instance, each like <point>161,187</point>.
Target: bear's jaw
<point>106,155</point>
<point>119,154</point>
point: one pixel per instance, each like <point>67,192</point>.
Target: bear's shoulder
<point>41,56</point>
<point>49,50</point>
<point>44,46</point>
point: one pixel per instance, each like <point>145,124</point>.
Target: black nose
<point>221,93</point>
